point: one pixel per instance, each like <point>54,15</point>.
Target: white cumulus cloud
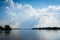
<point>47,16</point>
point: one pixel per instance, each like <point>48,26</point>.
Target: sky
<point>30,13</point>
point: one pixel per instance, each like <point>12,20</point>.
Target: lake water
<point>30,35</point>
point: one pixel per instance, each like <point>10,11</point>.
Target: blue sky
<point>30,13</point>
<point>39,3</point>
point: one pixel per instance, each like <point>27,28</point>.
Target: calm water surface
<point>30,35</point>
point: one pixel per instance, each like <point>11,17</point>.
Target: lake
<point>30,35</point>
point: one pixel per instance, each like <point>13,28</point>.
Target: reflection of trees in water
<point>5,31</point>
<point>5,34</point>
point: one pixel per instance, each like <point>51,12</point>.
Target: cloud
<point>48,16</point>
<point>2,23</point>
<point>21,13</point>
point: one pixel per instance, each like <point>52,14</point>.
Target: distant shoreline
<point>47,28</point>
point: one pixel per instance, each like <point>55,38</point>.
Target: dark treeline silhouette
<point>7,27</point>
<point>1,28</point>
<point>47,28</point>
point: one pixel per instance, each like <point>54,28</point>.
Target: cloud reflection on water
<point>49,35</point>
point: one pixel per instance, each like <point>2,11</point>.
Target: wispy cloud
<point>49,16</point>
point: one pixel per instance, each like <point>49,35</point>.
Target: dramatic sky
<point>30,13</point>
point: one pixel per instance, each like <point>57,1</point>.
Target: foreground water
<point>30,35</point>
